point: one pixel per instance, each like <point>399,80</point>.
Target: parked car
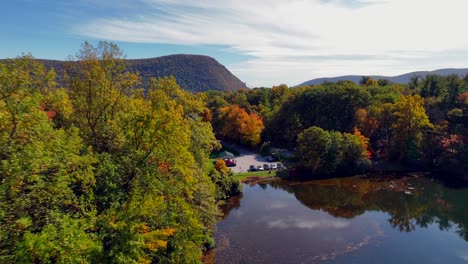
<point>273,166</point>
<point>252,168</point>
<point>260,168</point>
<point>266,167</point>
<point>230,162</point>
<point>280,166</point>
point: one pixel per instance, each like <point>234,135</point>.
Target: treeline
<point>419,125</point>
<point>100,171</point>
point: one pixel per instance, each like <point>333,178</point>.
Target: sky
<point>262,42</point>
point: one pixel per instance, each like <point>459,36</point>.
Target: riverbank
<point>246,176</point>
<point>389,173</point>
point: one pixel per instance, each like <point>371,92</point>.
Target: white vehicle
<point>280,166</point>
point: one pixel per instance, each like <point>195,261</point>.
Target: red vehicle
<point>230,162</point>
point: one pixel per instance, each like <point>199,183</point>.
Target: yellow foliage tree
<point>410,119</point>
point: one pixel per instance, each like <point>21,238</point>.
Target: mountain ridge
<point>195,73</point>
<point>402,78</point>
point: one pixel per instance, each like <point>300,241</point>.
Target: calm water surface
<point>353,220</point>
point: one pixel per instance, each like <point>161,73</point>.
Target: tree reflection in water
<point>424,203</point>
<point>344,220</point>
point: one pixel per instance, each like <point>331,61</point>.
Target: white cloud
<point>293,41</point>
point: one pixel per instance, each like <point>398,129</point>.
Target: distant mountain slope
<point>404,78</point>
<point>194,73</point>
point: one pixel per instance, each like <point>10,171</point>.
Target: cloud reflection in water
<point>287,223</point>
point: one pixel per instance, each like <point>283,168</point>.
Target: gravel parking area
<point>247,158</point>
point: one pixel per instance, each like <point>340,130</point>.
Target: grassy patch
<point>244,175</point>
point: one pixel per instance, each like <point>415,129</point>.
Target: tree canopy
<point>100,171</point>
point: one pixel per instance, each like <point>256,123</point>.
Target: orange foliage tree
<point>364,142</point>
<point>220,166</point>
<point>241,126</point>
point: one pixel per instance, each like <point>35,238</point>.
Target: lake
<point>350,220</point>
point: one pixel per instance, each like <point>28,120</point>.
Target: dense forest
<point>101,171</point>
<point>346,128</point>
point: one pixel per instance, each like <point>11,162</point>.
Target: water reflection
<point>335,220</point>
<point>428,202</point>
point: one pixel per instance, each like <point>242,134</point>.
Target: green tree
<point>330,152</point>
<point>329,106</point>
<point>433,86</point>
<point>383,82</point>
<point>455,87</point>
<point>414,82</point>
<point>364,80</point>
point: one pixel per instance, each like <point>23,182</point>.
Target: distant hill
<point>194,73</point>
<point>404,78</point>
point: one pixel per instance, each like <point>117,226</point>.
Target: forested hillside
<point>99,170</point>
<point>193,73</point>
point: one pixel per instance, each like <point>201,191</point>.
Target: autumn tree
<point>101,171</point>
<point>241,126</point>
<point>410,121</point>
<point>223,177</point>
<point>164,196</point>
<point>371,82</point>
<point>98,85</point>
<point>376,124</point>
<point>47,211</point>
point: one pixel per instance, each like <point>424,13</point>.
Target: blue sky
<point>47,30</point>
<point>263,42</point>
